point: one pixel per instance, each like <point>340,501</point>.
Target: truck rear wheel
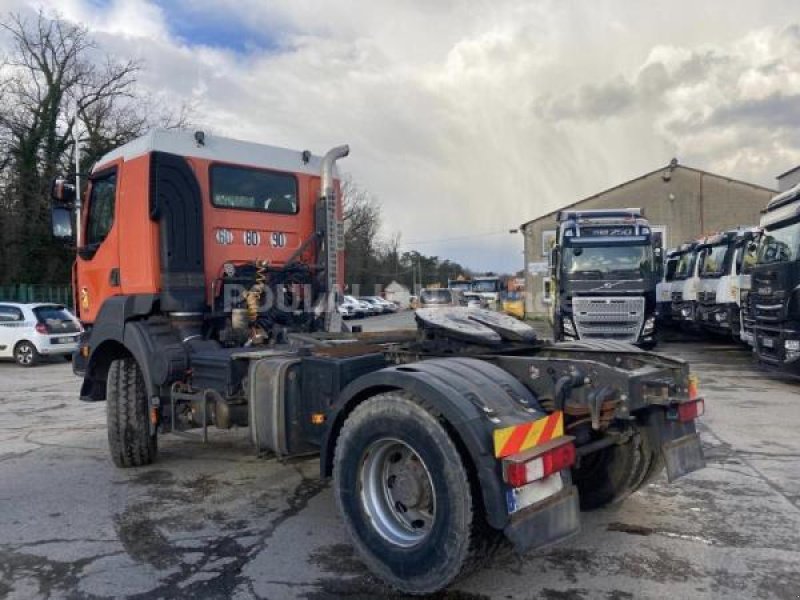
<point>129,438</point>
<point>614,473</point>
<point>404,494</point>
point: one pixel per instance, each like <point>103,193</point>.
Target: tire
<point>423,545</point>
<point>129,439</point>
<point>612,474</point>
<point>26,354</point>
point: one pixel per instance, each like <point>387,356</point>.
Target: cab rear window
<point>253,189</point>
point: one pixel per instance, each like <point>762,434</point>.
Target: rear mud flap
<point>683,456</point>
<point>541,525</point>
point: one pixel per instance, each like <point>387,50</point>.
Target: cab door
<point>98,256</point>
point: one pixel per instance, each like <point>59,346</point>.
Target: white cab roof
<point>182,142</point>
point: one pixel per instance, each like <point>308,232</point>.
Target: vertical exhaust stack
<point>333,237</point>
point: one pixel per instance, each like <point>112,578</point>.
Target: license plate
<point>767,342</point>
<point>522,497</point>
<point>64,340</point>
<point>765,291</point>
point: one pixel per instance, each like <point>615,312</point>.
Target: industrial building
<point>682,203</point>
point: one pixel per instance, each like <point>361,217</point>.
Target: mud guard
<point>683,456</point>
<point>678,442</point>
<point>470,395</point>
<point>549,522</point>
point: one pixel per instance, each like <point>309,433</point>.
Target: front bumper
<point>716,317</point>
<point>777,345</point>
<point>551,521</point>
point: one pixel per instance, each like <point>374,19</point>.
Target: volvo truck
<point>207,276</point>
<point>605,266</point>
<point>775,290</point>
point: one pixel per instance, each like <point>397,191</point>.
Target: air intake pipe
<point>332,234</point>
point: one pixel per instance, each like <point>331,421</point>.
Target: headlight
<point>792,345</point>
<point>721,316</point>
<point>569,327</point>
<point>649,325</point>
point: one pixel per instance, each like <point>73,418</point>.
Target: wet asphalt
<point>216,521</point>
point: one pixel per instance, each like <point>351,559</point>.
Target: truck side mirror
<point>62,192</point>
<point>61,221</point>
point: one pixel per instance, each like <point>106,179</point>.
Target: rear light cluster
<point>687,411</point>
<point>41,328</point>
<point>539,462</point>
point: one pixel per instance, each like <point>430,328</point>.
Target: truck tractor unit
<point>206,276</point>
<point>605,268</point>
<point>747,258</point>
<point>685,286</point>
<point>489,288</point>
<point>459,286</point>
<point>718,297</point>
<point>664,288</point>
<point>775,289</point>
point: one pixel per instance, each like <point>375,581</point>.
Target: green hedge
<point>25,292</point>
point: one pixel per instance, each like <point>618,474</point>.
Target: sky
<point>467,118</point>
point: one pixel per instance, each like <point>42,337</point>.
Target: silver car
<point>30,331</point>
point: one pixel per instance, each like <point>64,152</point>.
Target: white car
<point>346,310</point>
<point>360,309</point>
<point>387,306</point>
<point>30,331</point>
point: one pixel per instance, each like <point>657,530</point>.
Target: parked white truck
<point>685,285</point>
<point>718,296</point>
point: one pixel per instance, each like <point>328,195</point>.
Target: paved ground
<point>215,521</point>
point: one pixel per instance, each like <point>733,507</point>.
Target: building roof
<point>182,142</point>
<point>673,166</point>
<point>789,172</point>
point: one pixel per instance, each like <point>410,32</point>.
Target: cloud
<point>472,117</point>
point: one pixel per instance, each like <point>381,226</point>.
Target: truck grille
<point>608,318</point>
<point>707,297</point>
<point>767,312</point>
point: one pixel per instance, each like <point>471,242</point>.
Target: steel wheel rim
<point>24,354</point>
<point>396,491</point>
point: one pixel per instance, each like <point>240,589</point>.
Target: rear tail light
<point>41,328</point>
<point>687,411</point>
<point>539,462</point>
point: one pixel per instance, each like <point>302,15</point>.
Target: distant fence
<point>25,292</point>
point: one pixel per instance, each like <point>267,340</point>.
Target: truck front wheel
<point>129,438</point>
<point>404,494</point>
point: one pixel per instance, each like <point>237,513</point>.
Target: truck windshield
<point>780,245</point>
<point>485,286</point>
<point>685,267</point>
<point>714,260</point>
<point>669,271</point>
<point>608,262</point>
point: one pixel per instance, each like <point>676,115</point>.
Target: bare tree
<point>362,221</point>
<point>53,81</point>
